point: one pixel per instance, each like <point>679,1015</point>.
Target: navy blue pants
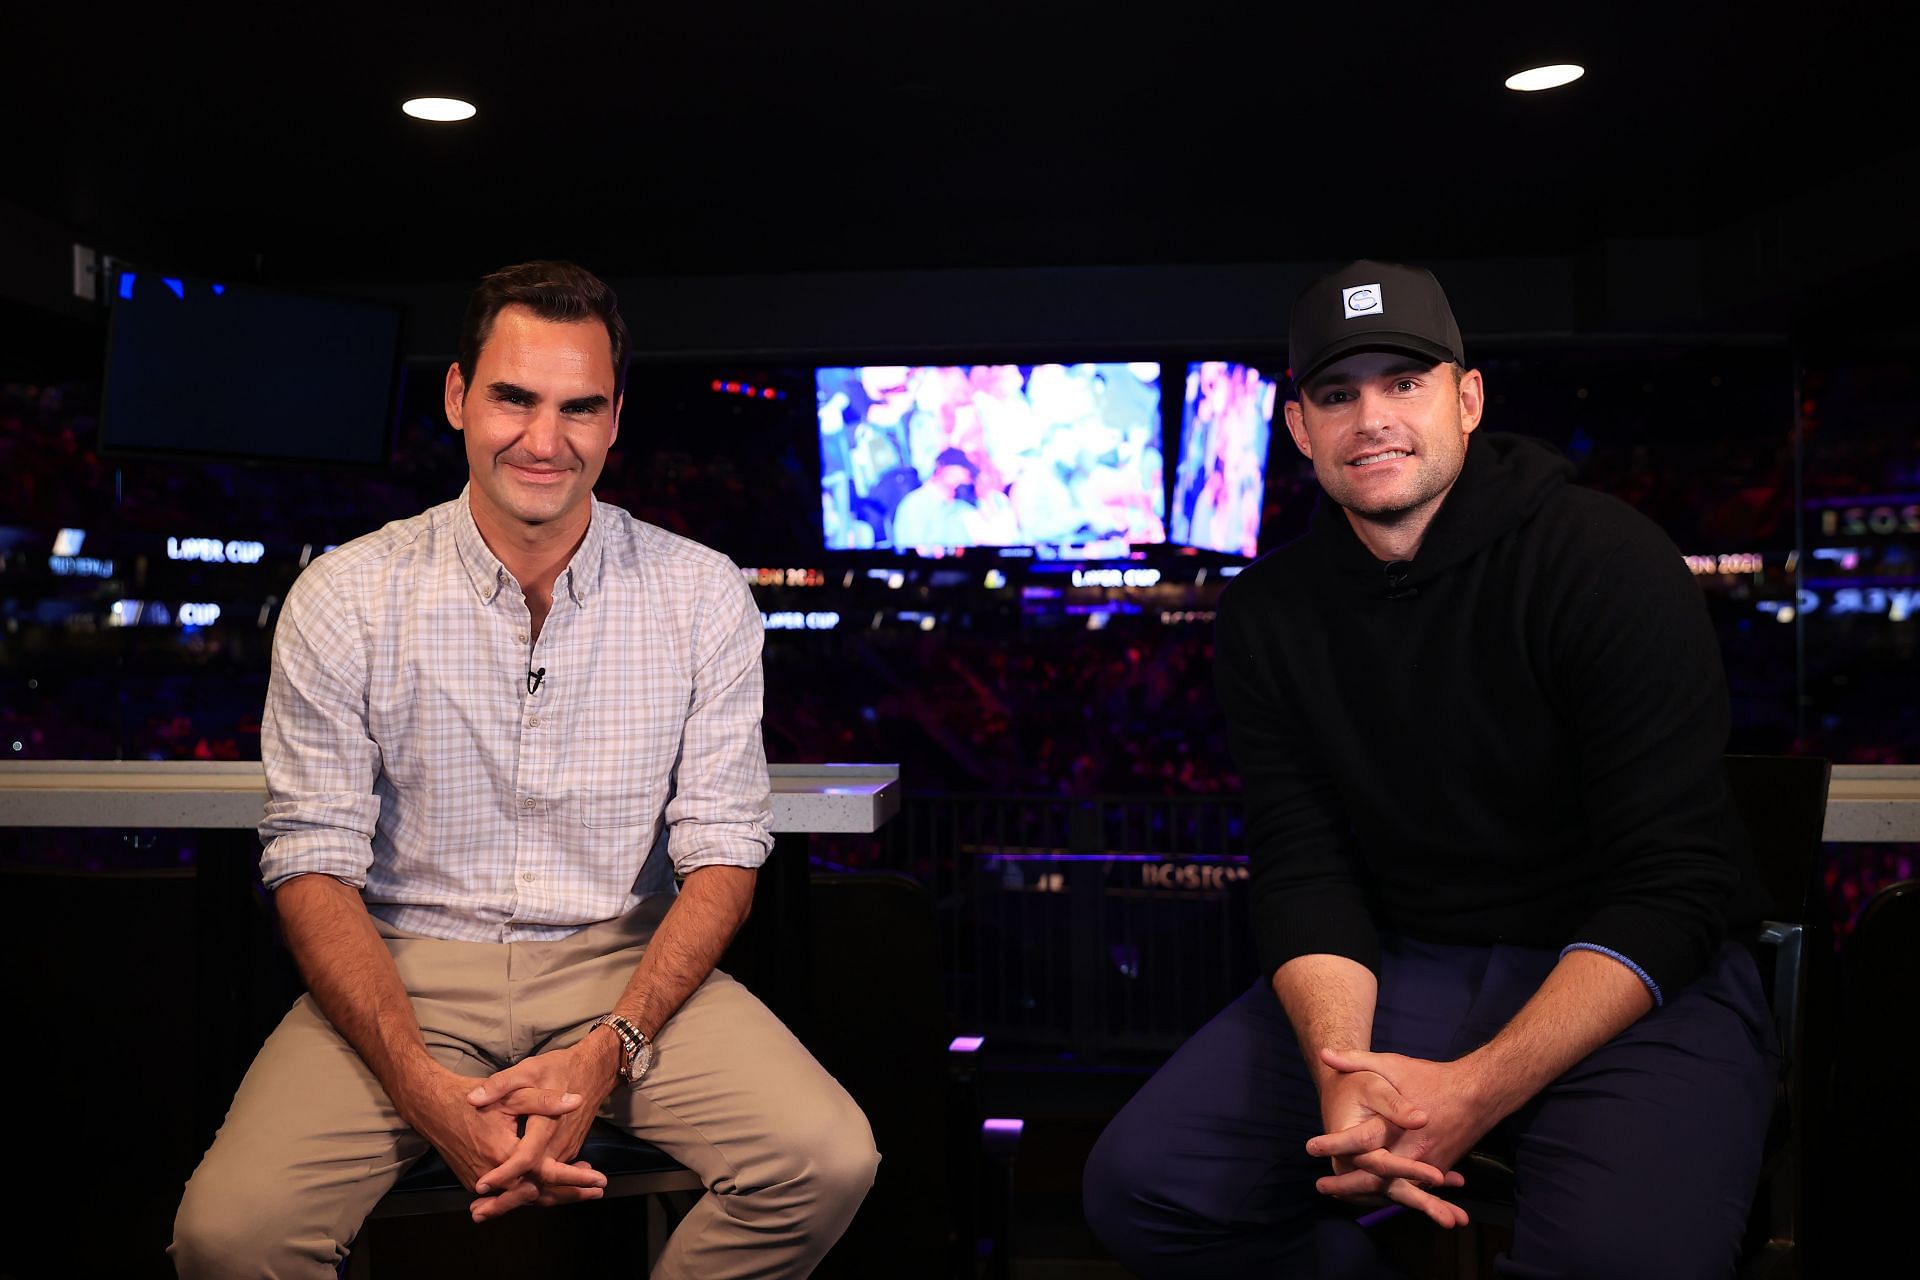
<point>1640,1161</point>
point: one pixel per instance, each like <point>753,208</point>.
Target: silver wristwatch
<point>636,1051</point>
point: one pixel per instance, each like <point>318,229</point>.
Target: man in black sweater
<point>1480,718</point>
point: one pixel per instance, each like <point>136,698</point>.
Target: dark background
<point>1693,270</point>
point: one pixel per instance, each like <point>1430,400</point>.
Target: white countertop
<point>1866,803</point>
<point>1874,803</point>
<point>232,794</point>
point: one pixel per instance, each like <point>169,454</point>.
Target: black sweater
<point>1516,737</point>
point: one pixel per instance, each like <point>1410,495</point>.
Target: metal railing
<point>1100,926</point>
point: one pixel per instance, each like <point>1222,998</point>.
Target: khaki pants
<point>311,1142</point>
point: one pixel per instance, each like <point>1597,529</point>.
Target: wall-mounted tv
<point>201,367</point>
<point>1220,479</point>
<point>931,458</point>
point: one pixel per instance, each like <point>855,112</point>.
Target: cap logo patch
<point>1361,300</point>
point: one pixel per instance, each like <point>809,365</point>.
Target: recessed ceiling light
<point>1539,78</point>
<point>444,110</point>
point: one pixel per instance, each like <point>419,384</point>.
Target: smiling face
<point>1387,434</point>
<point>537,421</point>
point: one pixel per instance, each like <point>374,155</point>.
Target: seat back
<point>1782,803</point>
<point>1879,1043</point>
<point>877,1022</point>
<point>768,955</point>
<point>1883,976</point>
<point>82,946</point>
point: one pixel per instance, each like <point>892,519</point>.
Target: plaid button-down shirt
<point>406,754</point>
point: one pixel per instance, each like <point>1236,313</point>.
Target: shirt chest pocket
<point>617,830</point>
<point>618,813</point>
<point>623,750</point>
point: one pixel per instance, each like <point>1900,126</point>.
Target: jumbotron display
<point>1221,479</point>
<point>933,458</point>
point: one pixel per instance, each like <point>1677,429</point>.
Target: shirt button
<point>533,722</point>
<point>520,636</point>
<point>527,876</point>
<point>527,802</point>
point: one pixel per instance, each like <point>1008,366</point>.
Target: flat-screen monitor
<point>196,366</point>
<point>1221,478</point>
<point>937,457</point>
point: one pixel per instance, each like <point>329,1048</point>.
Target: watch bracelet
<point>633,1045</point>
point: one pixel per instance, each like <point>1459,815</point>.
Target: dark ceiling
<point>642,138</point>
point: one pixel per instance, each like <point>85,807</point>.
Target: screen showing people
<point>929,458</point>
<point>1221,480</point>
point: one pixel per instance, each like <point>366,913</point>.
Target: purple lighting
<point>966,1044</point>
<point>1001,1137</point>
<point>1120,857</point>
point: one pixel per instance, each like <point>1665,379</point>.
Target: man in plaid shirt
<point>495,736</point>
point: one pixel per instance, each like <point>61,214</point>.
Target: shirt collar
<point>483,567</point>
<point>580,578</point>
<point>582,574</point>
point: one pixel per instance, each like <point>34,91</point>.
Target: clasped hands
<point>512,1138</point>
<point>1396,1126</point>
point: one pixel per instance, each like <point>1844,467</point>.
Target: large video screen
<point>1221,478</point>
<point>930,458</point>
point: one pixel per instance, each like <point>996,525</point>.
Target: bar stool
<point>632,1168</point>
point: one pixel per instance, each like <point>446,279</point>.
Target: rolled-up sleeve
<point>320,761</point>
<point>721,810</point>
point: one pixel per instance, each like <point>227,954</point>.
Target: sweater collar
<point>1502,482</point>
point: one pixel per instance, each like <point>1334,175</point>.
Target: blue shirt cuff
<point>1652,986</point>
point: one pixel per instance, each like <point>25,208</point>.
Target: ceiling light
<point>1545,77</point>
<point>444,110</point>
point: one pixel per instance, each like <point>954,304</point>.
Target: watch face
<point>638,1064</point>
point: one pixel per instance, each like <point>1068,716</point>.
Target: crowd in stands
<point>999,705</point>
<point>1127,710</point>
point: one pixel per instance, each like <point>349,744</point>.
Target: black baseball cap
<point>1371,306</point>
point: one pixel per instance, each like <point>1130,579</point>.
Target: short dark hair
<point>557,291</point>
<point>951,457</point>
